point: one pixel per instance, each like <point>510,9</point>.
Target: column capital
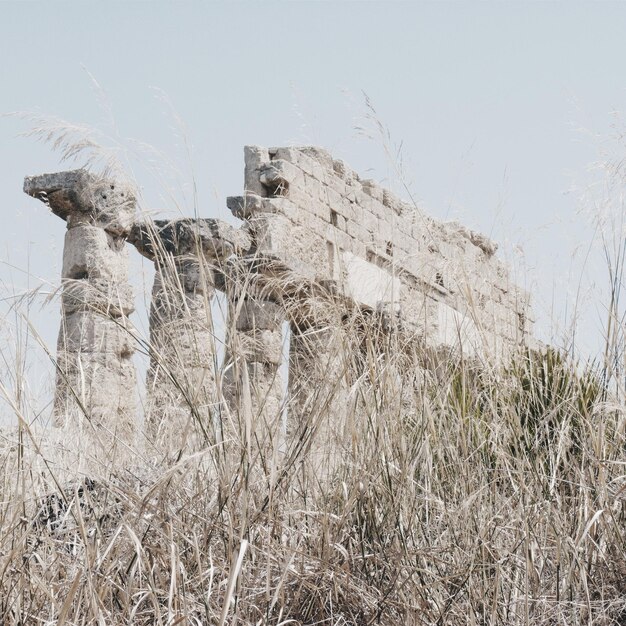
<point>78,196</point>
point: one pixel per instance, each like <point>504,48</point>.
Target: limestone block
<point>284,153</point>
<point>113,204</point>
<point>264,388</point>
<point>357,248</point>
<point>279,174</point>
<point>343,171</point>
<point>368,284</point>
<point>456,329</point>
<point>248,204</point>
<point>209,238</point>
<point>384,231</point>
<point>338,238</point>
<point>311,163</point>
<point>255,157</point>
<point>351,191</point>
<point>314,188</point>
<point>404,241</point>
<point>263,315</point>
<point>196,276</point>
<point>391,201</point>
<point>110,298</point>
<point>277,236</point>
<point>319,209</point>
<point>105,386</point>
<point>383,213</point>
<point>371,188</point>
<point>351,211</point>
<point>235,236</point>
<point>181,345</point>
<point>419,264</point>
<point>477,239</point>
<point>321,156</point>
<point>87,332</point>
<point>337,185</point>
<point>260,346</point>
<point>243,207</point>
<point>331,197</point>
<point>367,204</point>
<point>370,223</point>
<point>316,224</point>
<point>170,307</point>
<point>341,222</point>
<point>182,351</point>
<point>90,252</point>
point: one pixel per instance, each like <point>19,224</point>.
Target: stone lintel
<point>77,196</point>
<point>211,238</point>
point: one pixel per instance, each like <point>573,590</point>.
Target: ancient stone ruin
<point>318,247</point>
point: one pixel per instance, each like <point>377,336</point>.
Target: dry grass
<point>463,496</point>
<point>459,494</point>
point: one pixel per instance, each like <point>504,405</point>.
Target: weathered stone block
<point>262,385</point>
<point>312,166</point>
<point>371,188</point>
<point>90,252</point>
<point>87,332</point>
<point>253,314</point>
<point>319,155</point>
<point>248,204</point>
<point>110,298</point>
<point>275,235</point>
<point>255,158</point>
<point>279,174</point>
<point>210,239</point>
<point>183,344</point>
<point>105,388</point>
<point>343,171</point>
<point>391,201</point>
<point>260,346</point>
<point>369,284</point>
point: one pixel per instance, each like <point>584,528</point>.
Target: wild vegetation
<point>458,493</point>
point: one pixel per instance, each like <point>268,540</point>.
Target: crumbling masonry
<point>318,245</point>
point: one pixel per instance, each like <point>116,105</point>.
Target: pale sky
<point>500,109</point>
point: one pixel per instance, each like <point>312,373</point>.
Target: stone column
<point>95,389</point>
<point>319,403</point>
<point>257,341</point>
<point>253,381</point>
<point>181,381</point>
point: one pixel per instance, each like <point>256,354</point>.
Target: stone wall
<point>440,280</point>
